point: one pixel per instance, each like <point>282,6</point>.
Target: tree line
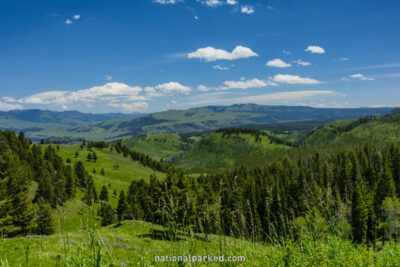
<point>33,181</point>
<point>354,194</point>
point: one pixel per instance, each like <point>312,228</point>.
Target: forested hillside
<point>365,129</point>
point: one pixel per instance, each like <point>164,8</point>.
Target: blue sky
<point>153,55</point>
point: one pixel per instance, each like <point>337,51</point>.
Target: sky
<point>153,55</point>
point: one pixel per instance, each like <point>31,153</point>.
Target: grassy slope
<point>158,146</point>
<point>133,244</point>
<point>215,152</point>
<point>118,178</point>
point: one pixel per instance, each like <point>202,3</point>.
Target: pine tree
<point>94,156</point>
<point>104,194</point>
<point>89,157</point>
<point>122,208</point>
<point>79,170</point>
<point>359,213</point>
<point>44,218</point>
<point>76,154</point>
<point>106,213</point>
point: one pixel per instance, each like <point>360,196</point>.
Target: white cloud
<point>315,49</point>
<point>211,3</point>
<point>286,52</point>
<point>68,21</point>
<point>196,17</point>
<point>302,63</point>
<point>278,63</point>
<point>361,77</point>
<point>212,54</point>
<point>8,99</point>
<point>107,92</point>
<point>293,79</point>
<point>64,107</point>
<point>77,16</point>
<point>203,88</point>
<point>173,87</point>
<point>8,106</point>
<point>108,77</point>
<point>231,2</point>
<point>247,9</point>
<point>130,107</point>
<point>152,92</point>
<point>164,2</point>
<point>49,97</point>
<point>219,67</point>
<point>254,83</point>
<point>270,7</point>
<point>343,59</point>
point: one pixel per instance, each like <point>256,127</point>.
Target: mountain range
<point>74,125</point>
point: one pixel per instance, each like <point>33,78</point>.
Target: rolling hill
<point>73,126</point>
<point>342,132</point>
<point>216,152</point>
<point>214,117</point>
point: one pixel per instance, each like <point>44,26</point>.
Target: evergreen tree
<point>359,213</point>
<point>89,157</point>
<point>44,218</point>
<point>94,156</point>
<point>106,213</point>
<point>104,194</point>
<point>122,208</point>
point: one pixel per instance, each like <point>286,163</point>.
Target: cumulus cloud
<point>211,3</point>
<point>278,63</point>
<point>77,16</point>
<point>293,79</point>
<point>302,63</point>
<point>315,49</point>
<point>152,92</point>
<point>9,106</point>
<point>68,21</point>
<point>130,107</point>
<point>286,52</point>
<point>212,54</point>
<point>247,9</point>
<point>219,67</point>
<point>164,2</point>
<point>173,87</point>
<point>231,2</point>
<point>361,77</point>
<point>108,77</point>
<point>243,84</point>
<point>203,88</point>
<point>113,94</point>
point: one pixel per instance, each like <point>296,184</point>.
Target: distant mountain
<point>213,117</point>
<point>63,117</point>
<point>74,125</point>
<point>66,125</point>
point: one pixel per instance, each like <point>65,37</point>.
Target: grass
<point>158,146</point>
<point>135,244</point>
<point>114,179</point>
<point>217,153</point>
